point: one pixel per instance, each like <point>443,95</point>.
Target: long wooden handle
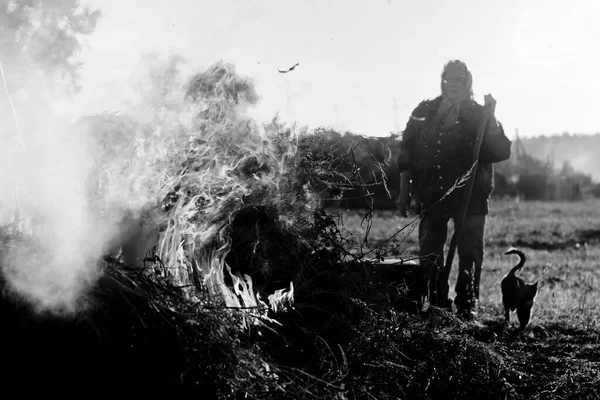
<point>468,190</point>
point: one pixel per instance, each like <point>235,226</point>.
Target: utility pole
<point>517,143</point>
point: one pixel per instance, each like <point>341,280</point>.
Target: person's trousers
<point>433,281</point>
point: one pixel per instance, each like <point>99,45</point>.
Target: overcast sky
<point>364,65</point>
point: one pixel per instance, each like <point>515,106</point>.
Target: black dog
<point>516,294</point>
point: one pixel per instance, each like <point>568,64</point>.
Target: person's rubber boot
<point>465,310</point>
<point>465,314</point>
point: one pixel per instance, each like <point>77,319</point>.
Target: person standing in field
<point>436,150</point>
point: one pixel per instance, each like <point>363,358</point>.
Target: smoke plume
<point>52,237</point>
<point>66,190</point>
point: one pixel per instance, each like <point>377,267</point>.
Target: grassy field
<point>561,242</point>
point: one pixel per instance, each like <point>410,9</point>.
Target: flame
<point>281,299</point>
<point>241,295</point>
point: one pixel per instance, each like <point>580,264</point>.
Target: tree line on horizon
<point>369,163</point>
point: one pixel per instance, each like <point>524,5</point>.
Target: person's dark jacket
<point>439,156</point>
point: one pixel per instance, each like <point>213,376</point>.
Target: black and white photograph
<point>300,199</point>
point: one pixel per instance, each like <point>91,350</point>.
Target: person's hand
<point>402,204</point>
<point>414,207</point>
<point>403,200</point>
<point>490,107</point>
<point>490,104</point>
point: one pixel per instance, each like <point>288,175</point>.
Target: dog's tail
<point>522,259</point>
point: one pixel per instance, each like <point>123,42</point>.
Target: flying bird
<point>288,70</point>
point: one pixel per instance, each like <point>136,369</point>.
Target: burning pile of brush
<point>188,196</point>
<point>174,186</point>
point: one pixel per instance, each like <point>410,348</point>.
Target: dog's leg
<point>506,314</point>
<point>524,313</point>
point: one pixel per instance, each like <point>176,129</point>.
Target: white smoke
<point>53,232</point>
<point>44,199</point>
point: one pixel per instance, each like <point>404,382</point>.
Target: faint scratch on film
<point>12,106</point>
<point>19,211</point>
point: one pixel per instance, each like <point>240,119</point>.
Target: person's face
<point>454,82</point>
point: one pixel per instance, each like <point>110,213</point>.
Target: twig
<point>311,376</point>
<point>369,215</point>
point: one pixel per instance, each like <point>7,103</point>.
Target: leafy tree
<point>43,36</point>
